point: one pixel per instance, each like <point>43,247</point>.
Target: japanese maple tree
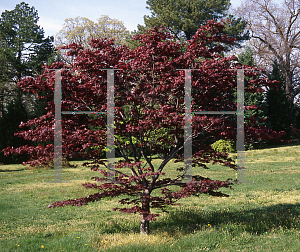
<point>149,115</point>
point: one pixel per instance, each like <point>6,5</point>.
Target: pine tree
<point>246,57</point>
<point>23,48</point>
<point>23,41</point>
<point>278,108</point>
<point>183,17</point>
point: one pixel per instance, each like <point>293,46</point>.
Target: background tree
<point>273,105</point>
<point>13,114</point>
<point>5,71</point>
<point>275,34</point>
<point>23,46</point>
<point>245,58</point>
<point>278,106</point>
<point>153,90</point>
<point>80,30</point>
<point>23,41</point>
<point>184,17</point>
<point>24,50</point>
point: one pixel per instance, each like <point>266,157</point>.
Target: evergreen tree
<point>4,78</point>
<point>278,108</point>
<point>245,58</point>
<point>23,41</point>
<point>14,113</point>
<point>184,17</point>
<point>24,49</point>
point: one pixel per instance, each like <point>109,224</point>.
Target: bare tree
<point>81,30</point>
<point>275,34</point>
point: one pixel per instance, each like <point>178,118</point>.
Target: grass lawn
<point>259,216</point>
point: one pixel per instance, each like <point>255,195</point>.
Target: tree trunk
<point>144,228</point>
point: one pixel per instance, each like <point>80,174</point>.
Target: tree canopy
<point>24,49</point>
<point>23,42</point>
<point>81,29</point>
<point>184,17</point>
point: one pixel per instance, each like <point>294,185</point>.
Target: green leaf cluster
<point>246,57</point>
<point>223,146</point>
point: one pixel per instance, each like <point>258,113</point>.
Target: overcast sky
<point>52,13</point>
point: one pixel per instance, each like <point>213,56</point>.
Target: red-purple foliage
<point>153,87</point>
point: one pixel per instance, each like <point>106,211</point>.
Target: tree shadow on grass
<point>6,170</point>
<point>262,146</point>
<point>186,221</point>
<point>254,221</point>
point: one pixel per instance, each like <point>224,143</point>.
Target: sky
<point>53,13</point>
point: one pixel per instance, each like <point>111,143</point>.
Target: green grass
<point>259,216</point>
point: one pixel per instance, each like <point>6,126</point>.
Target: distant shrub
<point>223,146</point>
<point>50,165</point>
<point>65,163</point>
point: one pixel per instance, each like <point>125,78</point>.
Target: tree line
<point>24,50</point>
